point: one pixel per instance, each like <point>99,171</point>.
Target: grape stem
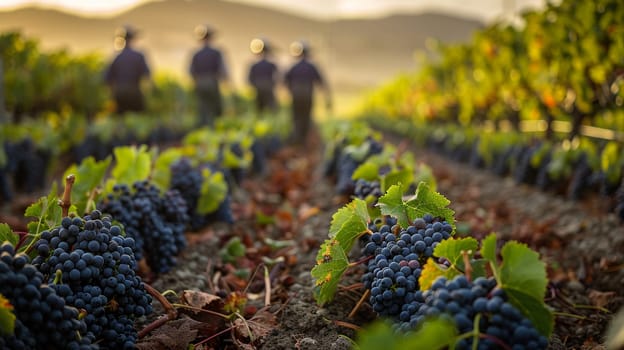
<point>171,314</point>
<point>346,325</point>
<point>65,202</point>
<point>359,303</point>
<point>361,261</point>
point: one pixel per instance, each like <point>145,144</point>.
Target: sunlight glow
<point>321,9</point>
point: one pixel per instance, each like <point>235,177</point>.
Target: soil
<point>581,242</point>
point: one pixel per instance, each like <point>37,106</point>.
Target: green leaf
<point>367,171</point>
<point>232,250</point>
<point>392,204</point>
<point>89,175</point>
<point>132,164</point>
<point>488,248</point>
<point>523,277</point>
<point>6,234</point>
<point>397,177</point>
<point>331,263</point>
<point>161,174</point>
<point>349,222</point>
<point>213,191</point>
<point>534,309</point>
<point>434,334</point>
<point>523,270</point>
<point>47,213</point>
<point>451,249</point>
<point>425,201</point>
<point>7,317</point>
<point>262,219</point>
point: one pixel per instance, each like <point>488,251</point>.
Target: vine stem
<point>566,314</point>
<point>65,202</point>
<point>361,261</point>
<point>215,335</point>
<point>171,314</point>
<point>359,303</point>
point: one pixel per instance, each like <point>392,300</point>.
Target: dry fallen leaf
<point>601,299</point>
<point>177,334</point>
<point>259,326</point>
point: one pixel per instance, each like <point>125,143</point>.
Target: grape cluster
<point>43,320</point>
<point>91,265</point>
<point>364,188</point>
<point>462,300</point>
<point>398,255</point>
<point>188,180</point>
<point>347,164</point>
<point>156,223</point>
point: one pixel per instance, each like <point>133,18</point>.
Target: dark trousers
<point>301,110</point>
<point>265,100</point>
<point>209,101</point>
<point>128,99</point>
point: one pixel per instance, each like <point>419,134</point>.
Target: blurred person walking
<point>300,80</point>
<point>263,76</point>
<point>208,71</point>
<point>126,72</point>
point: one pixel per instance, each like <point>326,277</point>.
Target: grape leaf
<point>434,334</point>
<point>392,204</point>
<point>89,174</point>
<point>488,248</point>
<point>425,201</point>
<point>431,271</point>
<point>213,191</point>
<point>131,164</point>
<point>6,234</point>
<point>358,153</point>
<point>161,174</point>
<point>331,263</point>
<point>349,222</point>
<point>46,211</point>
<point>534,309</point>
<point>523,277</point>
<point>522,270</point>
<point>451,249</point>
<point>397,177</point>
<point>7,317</point>
<point>232,250</point>
<point>367,171</point>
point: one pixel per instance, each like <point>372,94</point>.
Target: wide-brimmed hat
<point>204,31</point>
<point>260,45</point>
<point>126,32</point>
<point>299,48</point>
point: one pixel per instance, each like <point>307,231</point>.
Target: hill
<point>354,54</point>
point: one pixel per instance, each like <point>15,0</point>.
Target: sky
<point>485,10</point>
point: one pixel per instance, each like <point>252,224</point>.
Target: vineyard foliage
<point>561,63</point>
